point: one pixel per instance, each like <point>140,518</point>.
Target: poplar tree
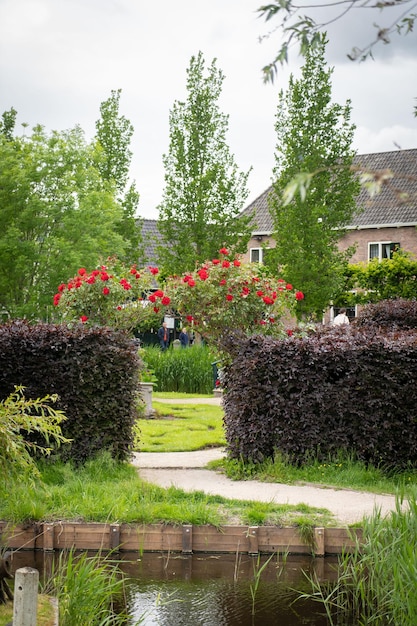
<point>314,135</point>
<point>204,190</point>
<point>114,134</point>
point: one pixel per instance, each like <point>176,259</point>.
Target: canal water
<point>214,590</point>
<point>225,590</point>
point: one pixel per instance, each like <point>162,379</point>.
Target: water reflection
<point>222,590</point>
<point>213,590</point>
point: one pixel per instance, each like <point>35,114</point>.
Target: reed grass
<point>182,370</point>
<point>89,589</point>
<point>377,583</point>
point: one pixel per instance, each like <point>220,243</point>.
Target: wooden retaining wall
<point>184,539</point>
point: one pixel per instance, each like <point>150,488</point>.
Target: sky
<point>59,59</point>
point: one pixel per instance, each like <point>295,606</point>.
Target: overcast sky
<point>59,59</point>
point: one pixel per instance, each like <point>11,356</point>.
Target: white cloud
<point>59,59</point>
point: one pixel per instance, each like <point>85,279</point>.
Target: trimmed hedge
<point>346,388</point>
<point>392,314</point>
<point>95,373</point>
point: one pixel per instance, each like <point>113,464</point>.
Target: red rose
<point>222,282</point>
<point>191,283</point>
<point>82,271</point>
<point>216,261</point>
<point>57,298</point>
<point>165,300</point>
<point>153,270</point>
<point>268,300</point>
<point>152,297</point>
<point>260,293</point>
<point>224,251</point>
<point>158,293</point>
<point>83,318</point>
<point>104,276</point>
<point>236,263</point>
<point>299,295</point>
<point>288,286</point>
<point>189,318</point>
<point>61,287</point>
<point>156,309</point>
<point>229,297</point>
<point>289,332</point>
<point>203,274</point>
<point>106,291</point>
<point>226,264</point>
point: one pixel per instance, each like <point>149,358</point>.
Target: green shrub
<point>187,370</point>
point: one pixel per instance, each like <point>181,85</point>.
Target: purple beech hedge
<point>341,388</point>
<point>94,371</point>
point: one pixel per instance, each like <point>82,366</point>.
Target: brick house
<point>383,223</point>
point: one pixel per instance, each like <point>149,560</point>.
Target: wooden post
<point>25,597</point>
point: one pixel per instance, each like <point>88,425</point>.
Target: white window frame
<point>380,244</point>
<point>261,254</point>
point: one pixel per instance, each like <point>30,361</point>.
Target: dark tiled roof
<point>151,238</point>
<point>387,208</point>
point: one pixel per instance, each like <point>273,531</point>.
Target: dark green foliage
<point>392,314</point>
<point>94,371</point>
<point>186,370</point>
<point>350,389</point>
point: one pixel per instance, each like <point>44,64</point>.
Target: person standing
<point>184,338</point>
<point>341,318</point>
<point>163,336</point>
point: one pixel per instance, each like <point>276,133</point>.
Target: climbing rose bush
<point>224,295</point>
<point>112,295</point>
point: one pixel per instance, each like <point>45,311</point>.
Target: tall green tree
<point>313,135</point>
<point>204,190</point>
<point>56,214</point>
<point>114,134</point>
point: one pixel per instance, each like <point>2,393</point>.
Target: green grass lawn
<point>105,491</point>
<point>181,428</point>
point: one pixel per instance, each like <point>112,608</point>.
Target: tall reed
<point>186,370</point>
<point>377,583</point>
<point>89,589</point>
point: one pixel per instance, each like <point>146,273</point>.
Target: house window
<point>258,255</point>
<point>382,250</point>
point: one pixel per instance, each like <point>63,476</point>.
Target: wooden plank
<point>224,539</point>
<point>19,536</point>
<point>253,547</point>
<point>338,539</point>
<point>281,540</point>
<point>48,536</point>
<point>169,538</point>
<point>187,539</point>
<point>81,536</point>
